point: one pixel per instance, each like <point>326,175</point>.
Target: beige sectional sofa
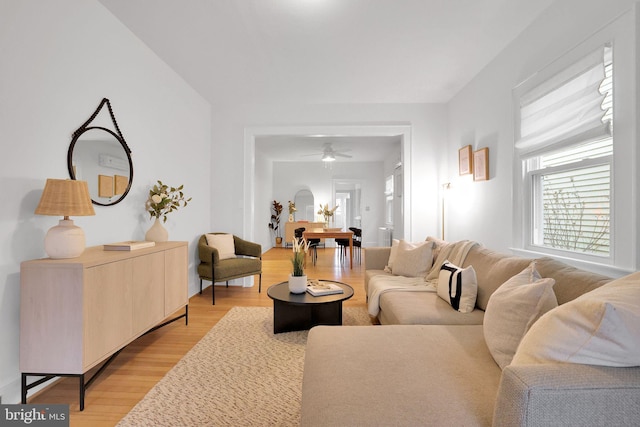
<point>427,364</point>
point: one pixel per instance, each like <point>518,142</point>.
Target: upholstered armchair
<point>213,267</point>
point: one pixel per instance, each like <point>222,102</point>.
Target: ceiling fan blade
<point>341,155</point>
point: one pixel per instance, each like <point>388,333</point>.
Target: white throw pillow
<point>513,308</point>
<point>413,260</point>
<point>458,286</point>
<point>223,243</point>
<point>601,327</point>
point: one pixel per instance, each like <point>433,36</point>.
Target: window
<point>388,192</point>
<point>565,145</point>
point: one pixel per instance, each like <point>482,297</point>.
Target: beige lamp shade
<point>65,197</point>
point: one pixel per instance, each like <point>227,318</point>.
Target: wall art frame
<point>465,160</point>
<point>481,164</point>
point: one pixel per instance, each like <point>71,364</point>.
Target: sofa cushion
<point>571,282</point>
<point>492,270</point>
<point>223,243</point>
<point>458,286</point>
<point>513,308</point>
<point>232,268</point>
<point>422,308</point>
<point>369,274</point>
<point>412,260</point>
<point>391,375</point>
<point>601,327</point>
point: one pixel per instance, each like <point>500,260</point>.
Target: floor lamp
<point>445,187</point>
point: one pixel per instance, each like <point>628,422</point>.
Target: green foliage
<point>164,200</point>
<point>274,224</point>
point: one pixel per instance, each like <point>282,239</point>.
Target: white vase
<point>297,284</point>
<point>157,233</point>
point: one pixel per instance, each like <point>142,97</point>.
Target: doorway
<point>253,224</point>
<point>347,196</point>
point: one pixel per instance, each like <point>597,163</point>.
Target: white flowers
<point>157,198</point>
<point>299,247</point>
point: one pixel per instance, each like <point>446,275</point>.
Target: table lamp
<point>65,197</point>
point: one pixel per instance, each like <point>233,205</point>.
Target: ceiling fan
<point>329,154</point>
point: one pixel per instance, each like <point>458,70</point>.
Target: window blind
<point>569,107</point>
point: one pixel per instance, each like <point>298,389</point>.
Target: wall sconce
<point>65,197</point>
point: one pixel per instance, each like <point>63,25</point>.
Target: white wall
<point>59,59</point>
<point>428,134</point>
<point>482,115</point>
<point>290,177</point>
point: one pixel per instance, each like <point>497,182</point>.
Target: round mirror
<point>305,206</point>
<point>100,157</point>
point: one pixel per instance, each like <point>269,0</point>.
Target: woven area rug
<point>239,374</point>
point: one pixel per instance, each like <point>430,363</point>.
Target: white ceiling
<point>309,149</point>
<point>327,51</point>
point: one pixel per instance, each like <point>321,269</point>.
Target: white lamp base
<point>64,240</point>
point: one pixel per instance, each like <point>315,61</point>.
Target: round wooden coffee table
<point>297,312</point>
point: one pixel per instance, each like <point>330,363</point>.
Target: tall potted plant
<point>274,224</point>
<point>297,278</point>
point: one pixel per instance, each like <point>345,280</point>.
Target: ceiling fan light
<point>328,157</point>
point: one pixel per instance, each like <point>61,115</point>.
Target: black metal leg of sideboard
<point>83,389</point>
<point>23,390</point>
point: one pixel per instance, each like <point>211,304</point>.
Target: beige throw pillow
<point>601,327</point>
<point>513,308</point>
<point>223,243</point>
<point>412,260</point>
<point>458,286</point>
<point>392,255</point>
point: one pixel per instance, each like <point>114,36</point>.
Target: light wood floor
<point>145,361</point>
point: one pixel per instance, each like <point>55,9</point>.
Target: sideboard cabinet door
<point>148,291</point>
<point>176,279</point>
<point>108,307</point>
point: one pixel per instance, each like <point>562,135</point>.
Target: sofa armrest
<point>247,248</point>
<point>207,254</point>
<point>376,258</point>
<point>567,394</point>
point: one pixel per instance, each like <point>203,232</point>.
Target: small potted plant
<point>163,200</point>
<point>274,224</point>
<point>297,278</point>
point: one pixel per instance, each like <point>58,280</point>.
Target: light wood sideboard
<point>76,313</point>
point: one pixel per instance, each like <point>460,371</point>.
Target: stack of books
<point>318,288</point>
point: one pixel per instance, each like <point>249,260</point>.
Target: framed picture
<point>465,161</point>
<point>481,164</point>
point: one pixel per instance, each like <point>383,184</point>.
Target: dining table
<point>331,233</point>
